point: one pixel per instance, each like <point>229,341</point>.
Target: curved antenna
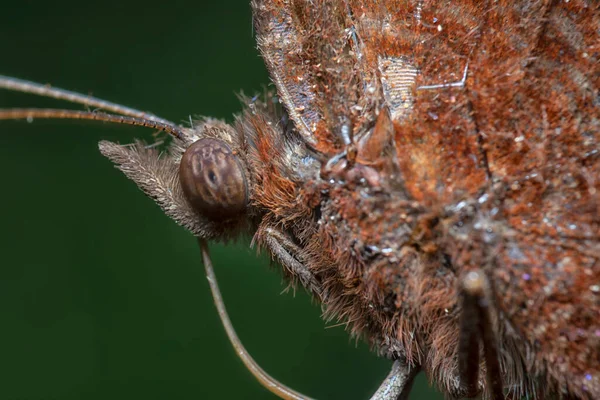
<point>21,85</point>
<point>270,383</point>
<point>51,113</point>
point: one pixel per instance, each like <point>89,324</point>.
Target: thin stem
<point>273,385</point>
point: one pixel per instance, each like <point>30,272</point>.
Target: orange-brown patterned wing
<point>337,63</point>
<point>520,141</point>
<point>495,106</point>
<point>313,52</point>
<point>536,94</point>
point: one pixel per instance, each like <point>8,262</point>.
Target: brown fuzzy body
<point>424,140</point>
<point>501,174</point>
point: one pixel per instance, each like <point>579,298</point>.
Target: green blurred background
<point>101,295</point>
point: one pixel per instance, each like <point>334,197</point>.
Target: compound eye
<point>213,179</point>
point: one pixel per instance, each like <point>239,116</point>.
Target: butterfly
<point>413,146</point>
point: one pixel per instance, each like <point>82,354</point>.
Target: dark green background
<point>101,295</point>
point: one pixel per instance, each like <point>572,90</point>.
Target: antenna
<point>20,85</point>
<point>51,113</point>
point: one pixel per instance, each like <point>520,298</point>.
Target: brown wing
<point>519,140</point>
<point>326,76</point>
<point>336,63</point>
<point>532,101</point>
<point>524,136</point>
<point>536,95</point>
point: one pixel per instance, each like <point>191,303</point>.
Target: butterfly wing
<point>494,105</point>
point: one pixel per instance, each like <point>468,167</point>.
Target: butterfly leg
<point>476,325</point>
<point>289,254</point>
<point>398,384</point>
